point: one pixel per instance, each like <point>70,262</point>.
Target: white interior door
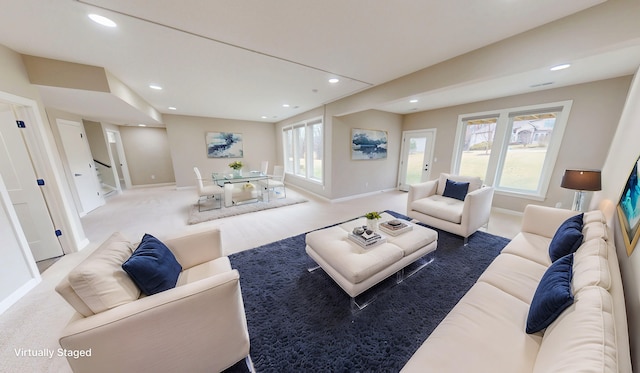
<point>417,157</point>
<point>81,167</point>
<point>25,194</point>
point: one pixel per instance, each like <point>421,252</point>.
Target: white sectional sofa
<point>485,331</point>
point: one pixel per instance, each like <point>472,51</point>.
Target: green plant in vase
<point>372,220</point>
<point>236,166</point>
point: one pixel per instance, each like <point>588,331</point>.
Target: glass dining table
<point>242,187</point>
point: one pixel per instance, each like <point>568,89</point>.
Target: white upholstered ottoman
<point>356,269</point>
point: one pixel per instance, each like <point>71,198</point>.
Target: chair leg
<point>247,360</point>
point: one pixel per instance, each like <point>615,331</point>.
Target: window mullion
<point>499,149</point>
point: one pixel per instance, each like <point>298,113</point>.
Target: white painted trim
<point>152,185</point>
<point>507,211</point>
<point>356,196</point>
<point>19,293</point>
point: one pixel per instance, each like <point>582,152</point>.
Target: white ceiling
<point>245,59</point>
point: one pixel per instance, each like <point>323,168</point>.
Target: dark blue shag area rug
<point>301,321</point>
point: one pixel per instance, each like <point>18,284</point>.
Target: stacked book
<point>395,227</point>
<point>367,239</point>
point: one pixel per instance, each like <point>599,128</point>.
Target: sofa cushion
<point>99,281</point>
<point>552,296</point>
<point>530,246</point>
<point>440,207</point>
<point>153,267</point>
<point>590,271</point>
<point>567,238</point>
<point>595,230</point>
<point>475,182</point>
<point>482,333</point>
<point>456,189</point>
<point>583,337</point>
<point>204,270</point>
<point>514,275</point>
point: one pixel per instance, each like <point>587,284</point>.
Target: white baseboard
<point>356,196</point>
<point>19,293</point>
<point>152,185</point>
<point>507,211</point>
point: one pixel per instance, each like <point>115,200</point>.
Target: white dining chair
<point>210,191</point>
<point>275,182</point>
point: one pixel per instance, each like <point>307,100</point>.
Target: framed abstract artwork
<point>629,210</point>
<point>368,144</point>
<point>224,145</point>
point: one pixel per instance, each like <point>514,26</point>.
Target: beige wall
<point>148,155</point>
<point>188,147</point>
<point>592,123</point>
<point>354,177</point>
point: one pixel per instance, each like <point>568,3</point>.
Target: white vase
<point>237,173</point>
<point>372,224</point>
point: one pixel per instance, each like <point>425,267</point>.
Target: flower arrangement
<point>236,165</point>
<point>372,215</point>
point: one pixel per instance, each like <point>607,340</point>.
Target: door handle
<point>77,174</point>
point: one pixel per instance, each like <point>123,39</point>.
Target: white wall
<point>624,151</point>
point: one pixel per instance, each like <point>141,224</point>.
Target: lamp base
<point>578,201</point>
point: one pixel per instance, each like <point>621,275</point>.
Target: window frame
<point>500,145</point>
<point>290,148</point>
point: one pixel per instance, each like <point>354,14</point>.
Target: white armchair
<point>197,326</point>
<point>426,203</point>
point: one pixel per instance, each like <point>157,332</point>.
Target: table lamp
<point>581,181</point>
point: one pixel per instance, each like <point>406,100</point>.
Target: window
<point>303,149</point>
<point>514,150</point>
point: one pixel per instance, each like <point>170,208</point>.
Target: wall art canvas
<point>368,144</point>
<point>629,210</point>
<point>224,145</point>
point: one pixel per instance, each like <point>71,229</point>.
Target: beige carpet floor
<point>36,320</point>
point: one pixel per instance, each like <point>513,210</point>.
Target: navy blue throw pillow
<point>455,189</point>
<point>552,296</point>
<point>567,238</point>
<point>152,266</point>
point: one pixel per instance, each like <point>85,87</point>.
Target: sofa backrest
<point>475,182</point>
<point>99,283</point>
<point>591,335</point>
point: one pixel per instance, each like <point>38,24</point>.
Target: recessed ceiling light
<point>413,101</point>
<point>104,21</point>
<point>334,80</point>
<point>286,105</point>
<point>154,86</point>
<point>560,67</point>
<point>172,108</point>
<point>264,117</point>
<point>142,125</point>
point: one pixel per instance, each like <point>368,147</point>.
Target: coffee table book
<point>395,230</point>
<point>367,243</point>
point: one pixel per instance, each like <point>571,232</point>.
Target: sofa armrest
<point>543,220</point>
<point>196,248</point>
<point>200,326</point>
<point>477,208</point>
<point>421,190</point>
